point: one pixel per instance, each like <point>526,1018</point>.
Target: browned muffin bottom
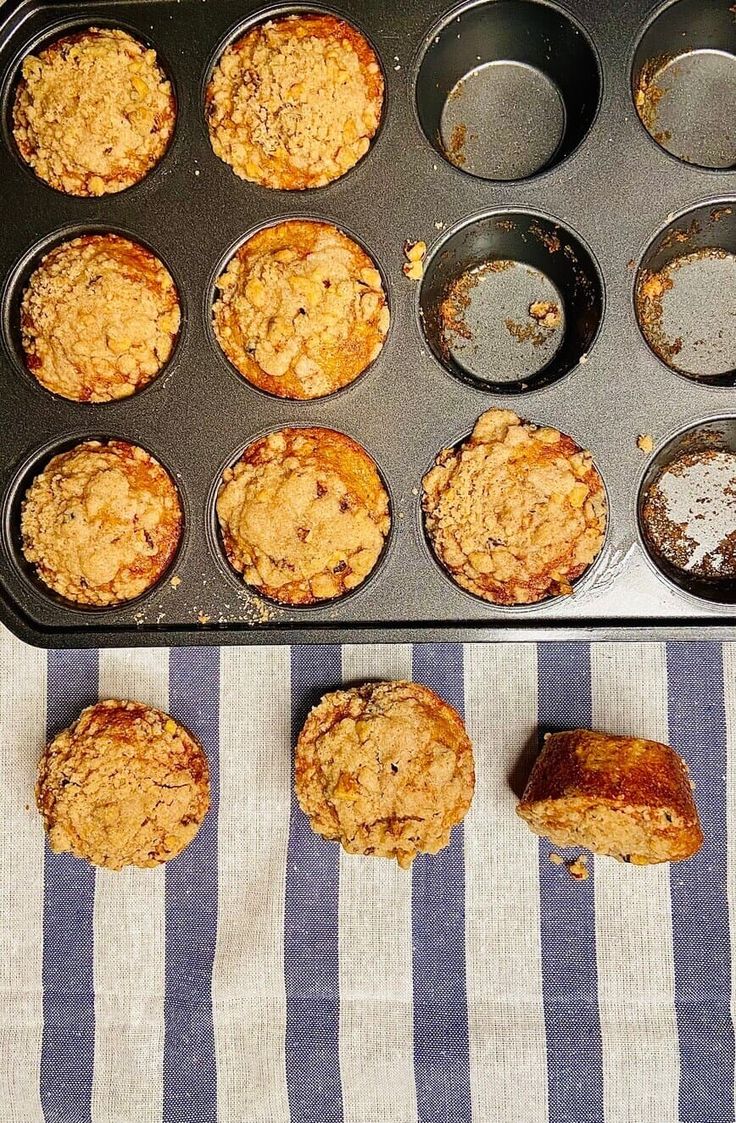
<point>99,318</point>
<point>125,785</point>
<point>385,769</point>
<point>516,513</point>
<point>93,112</point>
<point>622,796</point>
<point>301,309</point>
<point>295,102</point>
<point>101,523</point>
<point>304,515</point>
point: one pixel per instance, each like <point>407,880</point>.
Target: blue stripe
<point>441,1050</point>
<point>190,1065</point>
<point>569,969</point>
<point>700,930</point>
<point>311,966</point>
<point>68,1044</point>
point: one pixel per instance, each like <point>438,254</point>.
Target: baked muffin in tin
<point>99,318</point>
<point>301,309</point>
<point>101,523</point>
<point>517,512</point>
<point>386,769</point>
<point>125,785</point>
<point>93,112</point>
<point>303,515</point>
<point>295,102</point>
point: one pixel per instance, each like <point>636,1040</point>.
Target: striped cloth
<point>265,976</point>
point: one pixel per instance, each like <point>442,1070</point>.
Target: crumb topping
<point>93,112</point>
<point>295,102</point>
<point>124,785</point>
<point>99,318</point>
<point>101,522</point>
<point>301,309</point>
<point>386,769</point>
<point>517,512</point>
<point>304,515</point>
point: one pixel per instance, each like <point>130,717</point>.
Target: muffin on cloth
<point>99,318</point>
<point>304,515</point>
<point>385,769</point>
<point>301,309</point>
<point>125,785</point>
<point>516,513</point>
<point>93,112</point>
<point>101,523</point>
<point>622,796</point>
<point>295,102</point>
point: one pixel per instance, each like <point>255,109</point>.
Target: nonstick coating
<point>613,188</point>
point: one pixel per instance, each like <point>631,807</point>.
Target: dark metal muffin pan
<point>567,153</point>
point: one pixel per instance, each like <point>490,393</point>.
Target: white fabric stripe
<point>130,940</point>
<point>508,1052</point>
<point>633,912</point>
<point>729,691</point>
<point>248,993</point>
<point>376,1002</point>
<point>22,736</point>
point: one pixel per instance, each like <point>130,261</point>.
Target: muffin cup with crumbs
<point>93,112</point>
<point>295,102</point>
<point>301,309</point>
<point>303,515</point>
<point>125,785</point>
<point>386,769</point>
<point>99,318</point>
<point>101,523</point>
<point>516,513</point>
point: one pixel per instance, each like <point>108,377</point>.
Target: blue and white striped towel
<point>264,976</point>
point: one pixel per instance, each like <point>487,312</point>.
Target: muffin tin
<point>571,164</point>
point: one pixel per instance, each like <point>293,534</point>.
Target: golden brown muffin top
<point>99,318</point>
<point>304,515</point>
<point>295,102</point>
<point>301,309</point>
<point>516,513</point>
<point>101,522</point>
<point>386,769</point>
<point>93,112</point>
<point>125,785</point>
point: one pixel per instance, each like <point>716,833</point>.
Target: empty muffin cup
<point>685,294</point>
<point>687,510</point>
<point>510,301</point>
<point>507,89</point>
<point>684,82</point>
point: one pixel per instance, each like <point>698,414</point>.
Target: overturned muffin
<point>385,769</point>
<point>99,318</point>
<point>301,309</point>
<point>622,796</point>
<point>101,523</point>
<point>295,102</point>
<point>93,112</point>
<point>125,785</point>
<point>304,515</point>
<point>516,513</point>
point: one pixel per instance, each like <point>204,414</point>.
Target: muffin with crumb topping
<point>295,102</point>
<point>93,112</point>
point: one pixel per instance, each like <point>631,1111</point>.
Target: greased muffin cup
<point>386,769</point>
<point>301,309</point>
<point>304,515</point>
<point>296,101</point>
<point>93,112</point>
<point>125,785</point>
